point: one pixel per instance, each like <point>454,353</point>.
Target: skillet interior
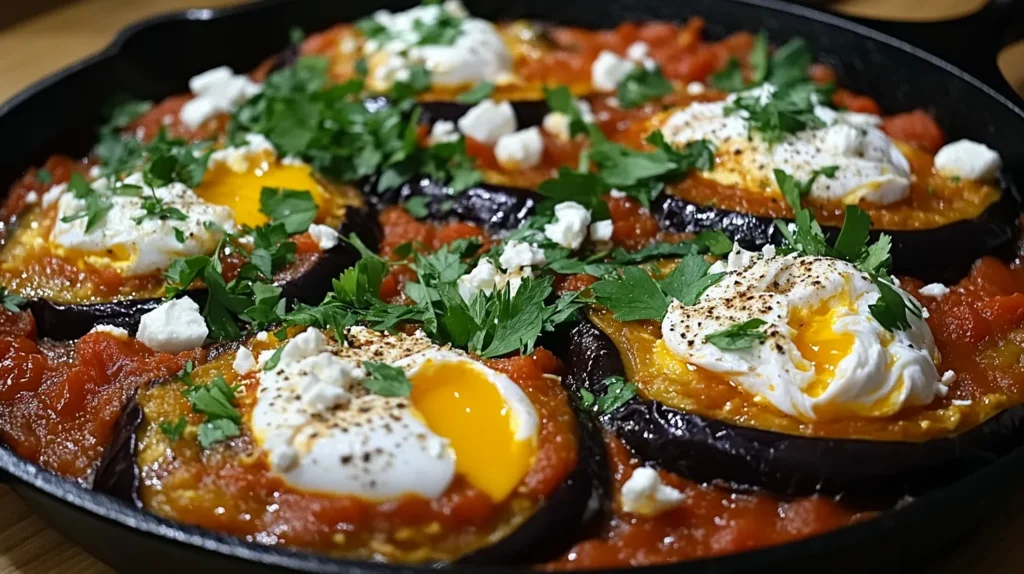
<point>156,58</point>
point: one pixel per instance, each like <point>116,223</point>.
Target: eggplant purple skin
<point>708,450</point>
<point>573,510</point>
<point>61,322</point>
<point>494,207</point>
<point>942,255</point>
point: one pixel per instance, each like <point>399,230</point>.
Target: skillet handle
<point>971,43</point>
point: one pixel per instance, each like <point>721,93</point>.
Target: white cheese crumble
<point>934,290</point>
<point>601,230</point>
<point>608,70</point>
<point>244,362</point>
<point>519,254</point>
<point>557,123</point>
<point>31,198</point>
<point>570,226</point>
<point>695,88</point>
<point>443,131</point>
<point>116,332</point>
<point>51,195</point>
<point>325,236</point>
<point>969,160</point>
<point>520,150</point>
<point>217,91</point>
<point>173,327</point>
<point>237,158</point>
<point>645,494</point>
<point>488,121</point>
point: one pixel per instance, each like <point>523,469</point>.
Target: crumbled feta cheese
<point>173,327</point>
<point>236,158</point>
<point>481,278</point>
<point>263,336</point>
<point>519,254</point>
<point>601,230</point>
<point>948,378</point>
<point>961,403</point>
<point>31,198</point>
<point>217,91</point>
<point>570,226</point>
<point>244,362</point>
<point>520,150</point>
<point>557,123</point>
<point>645,494</point>
<point>488,121</point>
<point>617,194</point>
<point>608,70</point>
<point>969,160</point>
<point>51,195</point>
<point>443,131</point>
<point>934,290</point>
<point>116,332</point>
<point>695,88</point>
<point>325,236</point>
<point>637,51</point>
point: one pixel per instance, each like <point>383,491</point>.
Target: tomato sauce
<point>230,488</point>
<point>59,402</point>
<point>710,521</point>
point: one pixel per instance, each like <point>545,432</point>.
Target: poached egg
<point>870,165</point>
<point>824,356</point>
<point>325,432</point>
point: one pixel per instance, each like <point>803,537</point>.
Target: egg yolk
<point>238,186</point>
<point>818,342</point>
<point>459,403</point>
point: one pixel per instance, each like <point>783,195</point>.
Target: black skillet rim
<point>995,476</point>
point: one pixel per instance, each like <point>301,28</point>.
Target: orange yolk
<point>240,190</point>
<point>818,342</point>
<point>459,403</point>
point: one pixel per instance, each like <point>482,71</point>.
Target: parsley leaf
<point>617,393</point>
<point>11,301</point>
<point>787,66</point>
<point>633,296</point>
<point>587,400</point>
<point>729,78</point>
<point>386,380</point>
<point>44,176</point>
<point>788,110</point>
<point>890,310</point>
<point>173,429</point>
<point>295,209</point>
<point>477,94</point>
<point>217,430</point>
<point>690,279</point>
<point>97,205</point>
<point>794,190</point>
<point>738,336</point>
<point>416,206</point>
<point>641,85</point>
<point>585,189</point>
<point>561,100</point>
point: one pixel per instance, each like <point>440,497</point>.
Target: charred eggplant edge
<point>944,254</point>
<point>707,450</point>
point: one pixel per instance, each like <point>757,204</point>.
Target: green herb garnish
<point>386,380</point>
<point>738,336</point>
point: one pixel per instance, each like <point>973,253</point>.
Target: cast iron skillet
<point>155,58</point>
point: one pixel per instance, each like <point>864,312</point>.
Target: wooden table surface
<point>39,46</point>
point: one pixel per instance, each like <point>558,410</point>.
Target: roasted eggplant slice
<point>306,283</point>
<point>942,255</point>
<point>494,207</point>
<point>709,450</point>
<point>370,502</point>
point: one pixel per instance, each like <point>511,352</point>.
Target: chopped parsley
<point>789,109</point>
<point>786,66</point>
<point>11,301</point>
<point>97,204</point>
<point>44,176</point>
<point>386,380</point>
<point>641,85</point>
<point>617,393</point>
<point>214,400</point>
<point>477,94</point>
<point>794,190</point>
<point>416,206</point>
<point>173,429</point>
<point>561,100</point>
<point>633,294</point>
<point>738,336</point>
<point>444,30</point>
<point>295,210</point>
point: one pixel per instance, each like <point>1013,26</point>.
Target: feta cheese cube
<point>519,254</point>
<point>488,121</point>
<point>443,131</point>
<point>934,290</point>
<point>617,194</point>
<point>695,88</point>
<point>244,362</point>
<point>217,91</point>
<point>520,150</point>
<point>557,123</point>
<point>325,236</point>
<point>608,70</point>
<point>31,198</point>
<point>173,327</point>
<point>645,494</point>
<point>570,226</point>
<point>969,160</point>
<point>481,278</point>
<point>116,332</point>
<point>601,230</point>
<point>51,195</point>
<point>637,51</point>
